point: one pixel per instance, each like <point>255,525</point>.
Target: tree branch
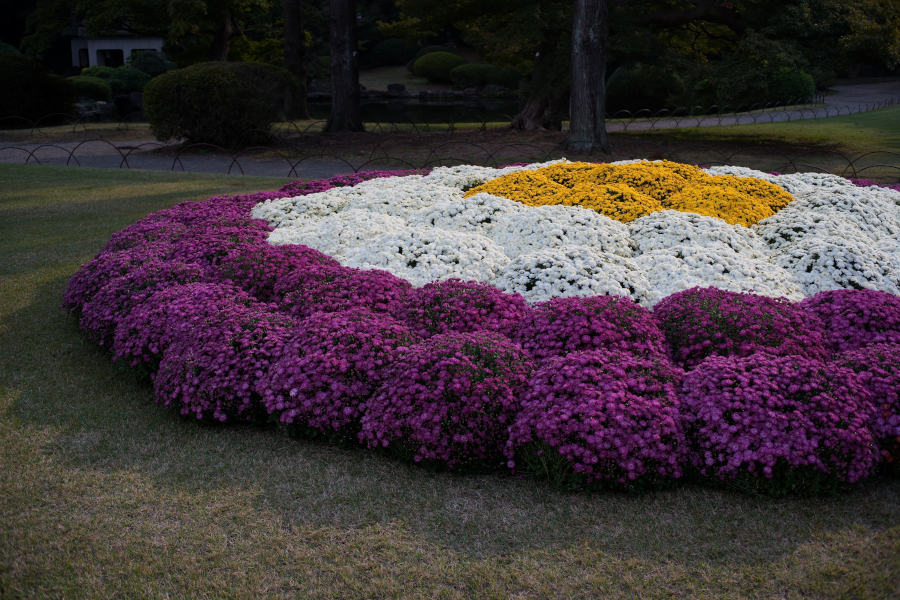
<point>701,12</point>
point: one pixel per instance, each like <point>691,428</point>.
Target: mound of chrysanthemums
<point>428,317</point>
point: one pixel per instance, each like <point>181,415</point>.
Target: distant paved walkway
<point>144,154</point>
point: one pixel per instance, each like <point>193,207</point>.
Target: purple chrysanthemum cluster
<point>460,375</point>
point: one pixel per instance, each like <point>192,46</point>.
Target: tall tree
<point>590,39</point>
<point>345,114</point>
<point>295,55</point>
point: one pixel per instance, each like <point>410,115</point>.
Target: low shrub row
<point>729,388</point>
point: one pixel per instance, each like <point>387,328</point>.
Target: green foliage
<point>640,86</point>
<point>473,76</point>
<point>126,80</point>
<point>92,87</point>
<point>436,66</point>
<point>790,85</point>
<point>100,71</point>
<point>152,63</point>
<point>216,103</point>
<point>30,92</point>
<point>4,47</point>
<point>391,52</point>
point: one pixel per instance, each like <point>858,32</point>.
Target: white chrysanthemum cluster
<point>834,235</point>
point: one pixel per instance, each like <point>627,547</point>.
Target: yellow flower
<point>527,187</point>
<point>615,201</point>
<point>721,202</point>
<point>568,174</point>
<point>769,193</point>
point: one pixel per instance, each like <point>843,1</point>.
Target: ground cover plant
<point>84,456</point>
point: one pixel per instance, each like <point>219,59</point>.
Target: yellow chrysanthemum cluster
<point>627,192</point>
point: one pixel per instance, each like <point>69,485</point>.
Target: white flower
<point>287,211</point>
<point>668,228</point>
<point>545,227</point>
<point>399,197</point>
<point>465,177</point>
<point>831,263</point>
<point>793,224</point>
<point>572,271</point>
<point>337,234</point>
<point>475,214</point>
<point>679,268</point>
<point>421,255</point>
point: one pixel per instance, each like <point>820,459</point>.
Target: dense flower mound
<point>788,424</point>
<point>616,201</point>
<point>611,415</point>
<point>143,335</point>
<point>669,228</point>
<point>703,322</point>
<point>456,306</point>
<point>878,368</point>
<point>527,187</point>
<point>329,369</point>
<point>855,319</point>
<point>603,323</point>
<point>473,214</point>
<point>331,289</point>
<point>764,191</point>
<point>214,373</point>
<point>721,202</point>
<point>450,400</point>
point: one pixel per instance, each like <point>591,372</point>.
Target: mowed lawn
<point>105,495</point>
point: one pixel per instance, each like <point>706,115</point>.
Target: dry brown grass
<point>105,495</point>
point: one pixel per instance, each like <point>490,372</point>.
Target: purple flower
<point>856,318</point>
<point>878,368</point>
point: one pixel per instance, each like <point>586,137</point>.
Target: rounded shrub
<point>790,85</point>
<point>326,288</point>
<point>211,370</point>
<point>152,63</point>
<point>390,52</point>
<point>473,76</point>
<point>329,369</point>
<point>426,50</point>
<point>4,47</point>
<point>560,326</point>
<point>778,425</point>
<point>703,322</point>
<point>436,66</point>
<point>601,419</point>
<point>30,92</point>
<point>638,87</point>
<point>856,318</point>
<point>99,71</point>
<point>448,401</point>
<point>92,87</point>
<point>463,307</point>
<point>127,80</point>
<point>217,103</point>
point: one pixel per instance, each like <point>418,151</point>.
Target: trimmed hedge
<point>436,66</point>
<point>101,71</point>
<point>470,76</point>
<point>126,80</point>
<point>423,52</point>
<point>790,85</point>
<point>217,102</point>
<point>640,86</point>
<point>152,63</point>
<point>92,87</point>
<point>30,92</point>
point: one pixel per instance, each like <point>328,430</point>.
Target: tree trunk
<point>549,98</point>
<point>345,114</point>
<point>295,56</point>
<point>222,38</point>
<point>590,38</point>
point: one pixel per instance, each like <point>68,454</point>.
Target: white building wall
<point>126,44</point>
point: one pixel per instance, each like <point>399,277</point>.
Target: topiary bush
<point>856,318</point>
<point>390,52</point>
<point>604,323</point>
<point>329,369</point>
<point>703,322</point>
<point>100,71</point>
<point>640,86</point>
<point>92,87</point>
<point>448,401</point>
<point>426,50</point>
<point>436,66</point>
<point>463,307</point>
<point>469,76</point>
<point>778,425</point>
<point>31,93</point>
<point>126,80</point>
<point>601,419</point>
<point>790,85</point>
<point>152,63</point>
<point>217,103</point>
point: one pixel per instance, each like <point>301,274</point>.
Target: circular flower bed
<point>475,318</point>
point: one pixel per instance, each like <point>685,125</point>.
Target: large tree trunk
<point>222,37</point>
<point>345,114</point>
<point>295,56</point>
<point>590,38</point>
<point>549,99</point>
